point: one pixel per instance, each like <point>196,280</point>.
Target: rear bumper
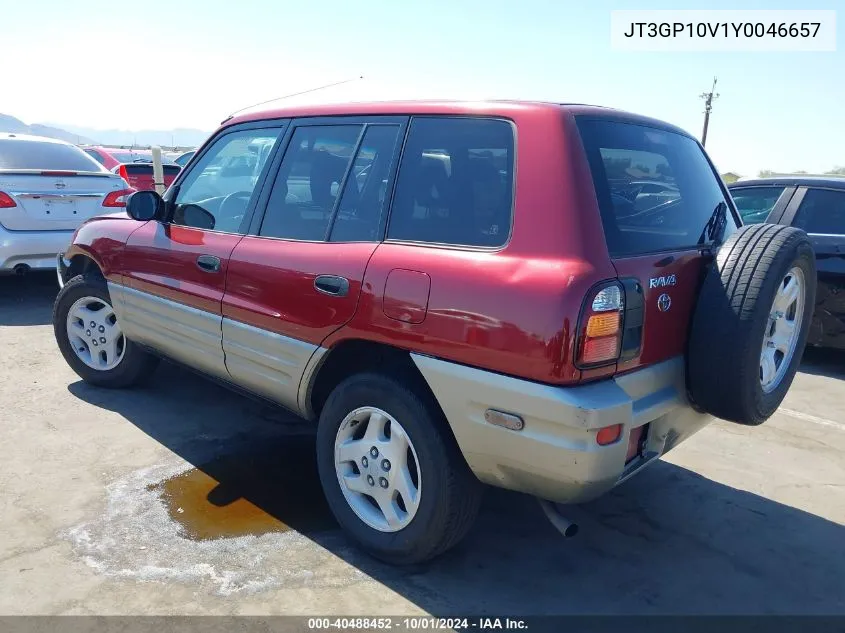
<point>35,249</point>
<point>555,456</point>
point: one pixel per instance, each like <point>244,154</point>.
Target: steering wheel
<point>222,211</point>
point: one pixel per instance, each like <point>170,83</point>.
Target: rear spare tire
<point>751,322</point>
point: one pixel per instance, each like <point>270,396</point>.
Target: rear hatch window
<point>656,189</point>
<point>18,154</point>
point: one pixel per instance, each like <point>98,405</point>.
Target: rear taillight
<point>121,171</point>
<point>117,198</point>
<point>600,327</point>
<point>6,201</point>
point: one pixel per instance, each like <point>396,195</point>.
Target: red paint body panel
<point>665,334</point>
<point>162,260</point>
<point>102,239</point>
<point>270,285</point>
<point>406,295</point>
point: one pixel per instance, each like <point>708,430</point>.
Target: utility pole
<point>708,106</point>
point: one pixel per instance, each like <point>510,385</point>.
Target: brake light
<point>121,171</point>
<point>59,172</point>
<point>117,198</point>
<point>600,327</point>
<point>6,201</point>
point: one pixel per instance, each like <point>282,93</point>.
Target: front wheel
<point>391,471</point>
<point>90,338</point>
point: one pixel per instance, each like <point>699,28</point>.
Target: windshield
<point>138,157</point>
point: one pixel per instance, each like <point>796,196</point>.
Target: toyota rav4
<point>540,297</point>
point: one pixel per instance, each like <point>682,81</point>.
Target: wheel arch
<point>352,356</point>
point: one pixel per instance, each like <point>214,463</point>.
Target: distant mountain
<point>11,124</point>
<point>178,137</point>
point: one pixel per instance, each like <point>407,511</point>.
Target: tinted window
<point>95,155</point>
<point>138,157</point>
<point>822,211</point>
<point>309,180</point>
<point>361,208</point>
<point>755,203</point>
<point>455,183</point>
<point>622,156</point>
<point>19,154</point>
<point>184,158</point>
<point>217,190</point>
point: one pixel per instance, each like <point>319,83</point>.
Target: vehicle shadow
<point>822,361</point>
<point>670,541</point>
<point>27,300</point>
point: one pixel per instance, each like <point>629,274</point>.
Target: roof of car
<point>502,108</point>
<point>14,136</point>
<point>793,181</point>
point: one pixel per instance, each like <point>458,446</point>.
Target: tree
<point>766,173</point>
<point>836,171</point>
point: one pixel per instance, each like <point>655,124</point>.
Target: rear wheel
<point>393,476</point>
<point>751,323</point>
<point>90,338</point>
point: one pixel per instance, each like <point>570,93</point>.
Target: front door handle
<point>332,285</point>
<point>209,263</point>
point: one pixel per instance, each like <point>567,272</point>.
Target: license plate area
<point>59,209</point>
<point>636,443</point>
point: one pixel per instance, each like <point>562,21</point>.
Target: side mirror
<point>145,205</point>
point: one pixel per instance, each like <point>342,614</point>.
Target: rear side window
<point>95,155</point>
<point>455,183</point>
<point>18,154</point>
<point>756,203</point>
<point>655,188</point>
<point>822,211</point>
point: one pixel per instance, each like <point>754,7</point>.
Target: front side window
<point>455,183</point>
<point>755,203</point>
<point>216,192</point>
<point>309,181</point>
<point>822,212</point>
<point>673,213</point>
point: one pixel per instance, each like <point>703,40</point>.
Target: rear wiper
<point>714,230</point>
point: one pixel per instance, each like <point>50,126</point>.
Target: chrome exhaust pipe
<point>561,523</point>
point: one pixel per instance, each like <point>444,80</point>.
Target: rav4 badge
<point>659,282</point>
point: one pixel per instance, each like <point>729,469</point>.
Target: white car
<point>47,189</point>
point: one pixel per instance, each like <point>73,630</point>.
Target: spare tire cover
<point>751,322</point>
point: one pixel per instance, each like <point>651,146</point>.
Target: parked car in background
<point>134,165</point>
<point>454,293</point>
<point>47,189</point>
<point>817,206</point>
<point>182,159</point>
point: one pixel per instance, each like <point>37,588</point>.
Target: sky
<point>190,63</point>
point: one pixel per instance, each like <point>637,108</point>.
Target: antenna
<point>295,94</point>
<point>708,106</point>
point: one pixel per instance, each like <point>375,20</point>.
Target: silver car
<point>47,189</point>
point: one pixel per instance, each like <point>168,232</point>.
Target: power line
<point>708,107</point>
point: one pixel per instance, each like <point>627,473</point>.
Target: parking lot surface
<point>184,498</point>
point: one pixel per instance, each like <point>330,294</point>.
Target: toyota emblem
<point>664,302</point>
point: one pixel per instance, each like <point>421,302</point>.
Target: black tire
<point>451,494</point>
<point>137,364</point>
<point>732,316</point>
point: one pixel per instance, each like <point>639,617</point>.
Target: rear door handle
<point>209,263</point>
<point>332,285</point>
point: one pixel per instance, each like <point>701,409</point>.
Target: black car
<point>816,205</point>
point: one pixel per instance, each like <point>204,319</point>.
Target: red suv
<point>455,293</point>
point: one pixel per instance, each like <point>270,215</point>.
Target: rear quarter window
<point>655,188</point>
<point>822,212</point>
<point>455,183</point>
<point>20,154</point>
